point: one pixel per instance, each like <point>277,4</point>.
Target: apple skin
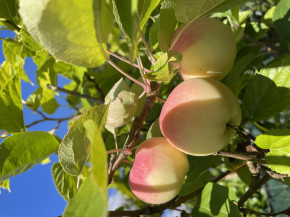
<point>194,117</point>
<point>158,171</point>
<point>208,49</point>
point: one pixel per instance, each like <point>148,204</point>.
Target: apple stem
<point>128,76</point>
<point>150,54</point>
<point>126,61</point>
<point>141,69</point>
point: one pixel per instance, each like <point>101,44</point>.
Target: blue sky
<point>33,193</point>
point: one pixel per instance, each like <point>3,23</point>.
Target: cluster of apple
<point>195,117</point>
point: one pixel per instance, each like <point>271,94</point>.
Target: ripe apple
<point>208,49</point>
<point>158,171</point>
<point>194,117</point>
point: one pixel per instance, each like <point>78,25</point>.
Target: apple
<point>208,49</point>
<point>158,171</point>
<point>195,116</point>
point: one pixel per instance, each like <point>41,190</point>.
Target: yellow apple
<point>194,117</point>
<point>158,171</point>
<point>207,47</point>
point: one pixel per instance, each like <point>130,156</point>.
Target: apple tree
<point>205,146</point>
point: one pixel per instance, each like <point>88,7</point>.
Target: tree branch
<point>59,89</point>
<point>135,129</point>
<point>126,61</point>
<point>249,211</point>
<point>263,45</point>
<point>256,183</point>
<point>100,91</point>
<point>241,157</point>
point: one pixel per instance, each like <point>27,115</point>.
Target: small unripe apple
<point>208,49</point>
<point>196,115</point>
<point>158,171</point>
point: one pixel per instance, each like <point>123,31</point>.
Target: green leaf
<point>154,130</point>
<point>125,12</point>
<point>197,175</point>
<point>264,99</point>
<point>278,71</point>
<point>164,67</point>
<point>153,34</point>
<point>145,8</point>
<point>168,23</point>
<point>188,10</point>
<point>66,184</point>
<point>22,151</point>
<point>99,155</point>
<point>5,185</point>
<point>278,141</point>
<point>90,201</point>
<point>8,10</point>
<point>15,52</point>
<point>74,32</point>
<point>281,18</point>
<point>11,111</point>
<point>73,151</point>
<point>216,200</point>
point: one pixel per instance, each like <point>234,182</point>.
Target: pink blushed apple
<point>207,47</point>
<point>195,116</point>
<point>158,171</point>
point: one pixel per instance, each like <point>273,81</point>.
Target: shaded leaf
<point>198,175</point>
<point>168,23</point>
<point>65,183</point>
<point>22,151</point>
<point>154,130</point>
<point>73,149</point>
<point>264,99</point>
<point>216,200</point>
<point>281,18</point>
<point>145,8</point>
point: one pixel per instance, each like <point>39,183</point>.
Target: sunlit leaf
<point>90,201</point>
<point>11,114</point>
<point>278,141</point>
<point>22,151</point>
<point>65,183</point>
<point>72,31</point>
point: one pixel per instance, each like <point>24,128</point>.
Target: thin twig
<point>126,61</point>
<point>59,89</point>
<point>263,45</point>
<point>100,91</point>
<point>141,69</point>
<point>127,75</point>
<point>253,212</point>
<point>151,55</point>
<point>255,185</point>
<point>241,157</point>
<point>48,119</point>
